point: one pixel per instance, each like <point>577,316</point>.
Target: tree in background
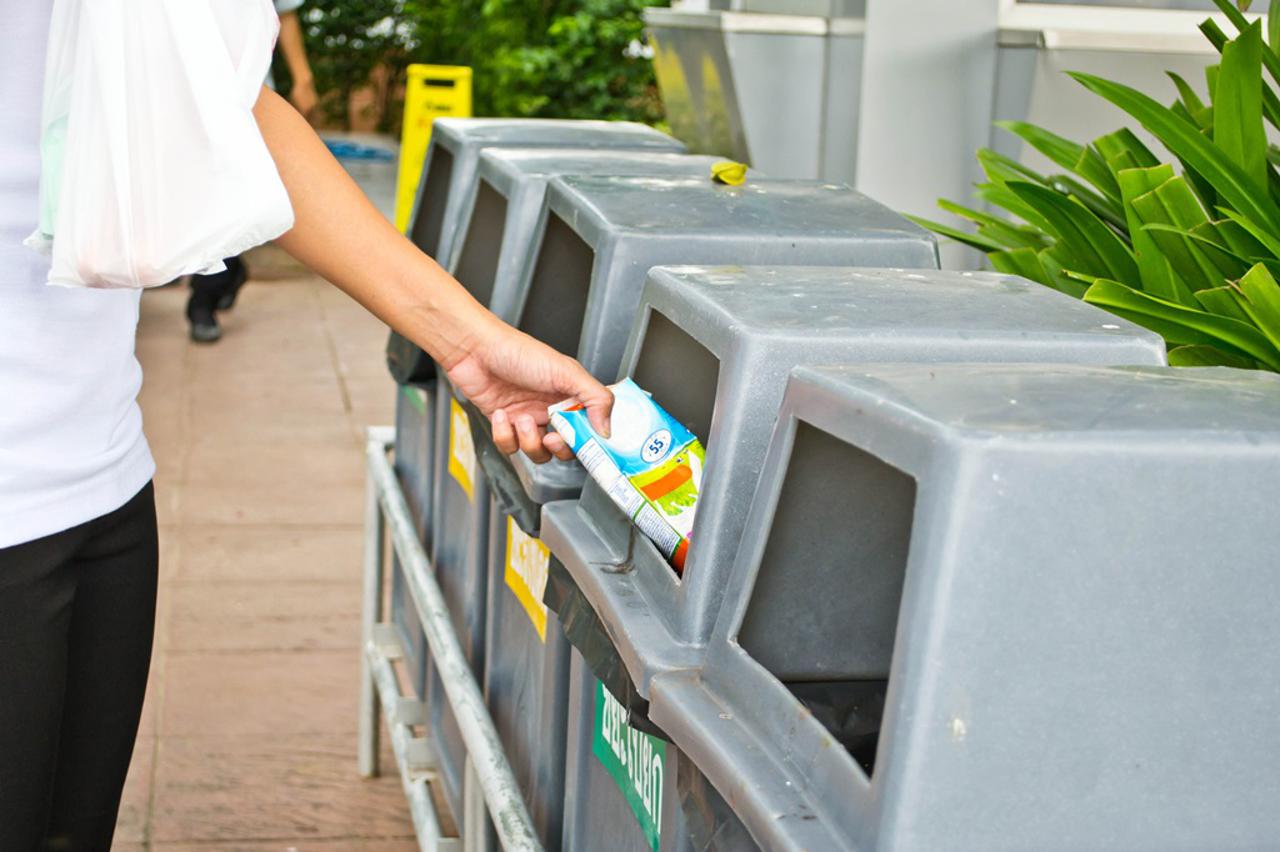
<point>531,58</point>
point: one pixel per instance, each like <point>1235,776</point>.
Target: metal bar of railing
<point>502,797</point>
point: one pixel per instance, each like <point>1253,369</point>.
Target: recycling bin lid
<point>1064,559</point>
<point>553,131</point>
<point>701,209</point>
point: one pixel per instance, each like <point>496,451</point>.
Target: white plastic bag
<point>153,165</point>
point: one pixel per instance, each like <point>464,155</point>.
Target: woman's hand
<point>513,378</point>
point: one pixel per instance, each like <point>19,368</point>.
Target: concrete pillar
<point>928,89</point>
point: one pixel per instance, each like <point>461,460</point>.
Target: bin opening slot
<point>478,258</point>
<point>824,609</point>
<point>426,227</point>
<point>557,301</point>
<point>680,373</point>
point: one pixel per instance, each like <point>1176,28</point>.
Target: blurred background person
<point>218,291</point>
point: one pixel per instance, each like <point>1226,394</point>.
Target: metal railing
<point>487,769</point>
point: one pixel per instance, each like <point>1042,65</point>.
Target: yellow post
<point>433,91</point>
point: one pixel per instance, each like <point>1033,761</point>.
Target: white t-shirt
<point>71,443</point>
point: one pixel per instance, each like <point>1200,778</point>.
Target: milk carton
<point>650,465</point>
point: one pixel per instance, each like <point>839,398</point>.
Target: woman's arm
<point>338,232</point>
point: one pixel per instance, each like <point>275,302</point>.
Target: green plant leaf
<point>1079,159</point>
<point>1062,151</point>
<point>1273,26</point>
<point>1229,234</point>
<point>1008,234</point>
<point>1270,100</point>
<point>1124,150</point>
<point>981,243</point>
<point>1237,106</point>
<point>1024,262</point>
<point>1241,23</point>
<point>1002,169</point>
<point>1268,239</point>
<point>1188,95</point>
<point>1153,267</point>
<point>1101,206</point>
<point>1059,279</point>
<point>1183,325</point>
<point>1203,355</point>
<point>1222,302</point>
<point>998,195</point>
<point>1172,203</point>
<point>1185,141</point>
<point>1219,263</point>
<point>1098,249</point>
<point>1259,296</point>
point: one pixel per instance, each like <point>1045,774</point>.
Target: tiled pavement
<point>248,736</point>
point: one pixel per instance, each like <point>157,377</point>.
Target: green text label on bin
<point>633,759</point>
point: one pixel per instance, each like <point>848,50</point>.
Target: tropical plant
<point>1192,252</point>
<point>534,58</point>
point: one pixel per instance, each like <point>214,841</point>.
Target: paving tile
<point>281,502</point>
<point>265,616</point>
<point>364,844</point>
<point>249,463</point>
<point>248,733</point>
<point>135,804</point>
<point>239,554</point>
<point>223,697</point>
<point>272,788</point>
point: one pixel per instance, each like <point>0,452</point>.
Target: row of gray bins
<point>973,569</point>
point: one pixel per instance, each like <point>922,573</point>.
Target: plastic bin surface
<point>715,346</point>
<point>526,674</point>
<point>456,144</point>
<point>459,555</point>
<point>448,178</point>
<point>1060,579</point>
<point>599,236</point>
<point>608,805</point>
<point>507,199</point>
<point>414,457</point>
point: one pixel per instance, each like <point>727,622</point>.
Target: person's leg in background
<point>77,616</point>
<point>213,293</point>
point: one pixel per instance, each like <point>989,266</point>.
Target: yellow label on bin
<point>526,574</point>
<point>431,92</point>
<point>462,450</point>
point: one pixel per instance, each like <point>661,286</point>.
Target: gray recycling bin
<point>448,175</point>
<point>526,656</point>
<point>1001,607</point>
<point>447,186</point>
<point>498,226</point>
<point>633,223</point>
<point>714,345</point>
<point>621,784</point>
<point>414,458</point>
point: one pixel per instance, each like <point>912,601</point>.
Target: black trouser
<point>77,613</point>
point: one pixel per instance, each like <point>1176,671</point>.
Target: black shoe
<point>237,273</point>
<point>204,324</point>
<point>200,309</point>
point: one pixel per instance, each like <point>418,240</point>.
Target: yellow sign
<point>431,92</point>
<point>526,574</point>
<point>462,450</point>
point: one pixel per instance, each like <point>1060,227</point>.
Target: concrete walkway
<point>248,736</point>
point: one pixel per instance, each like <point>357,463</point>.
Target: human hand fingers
<point>530,438</point>
<point>504,434</point>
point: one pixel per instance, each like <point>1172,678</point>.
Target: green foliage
<point>1193,252</point>
<point>533,58</point>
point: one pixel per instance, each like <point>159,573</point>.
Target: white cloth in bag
<point>152,164</point>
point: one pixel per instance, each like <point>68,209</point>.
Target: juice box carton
<point>650,465</point>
